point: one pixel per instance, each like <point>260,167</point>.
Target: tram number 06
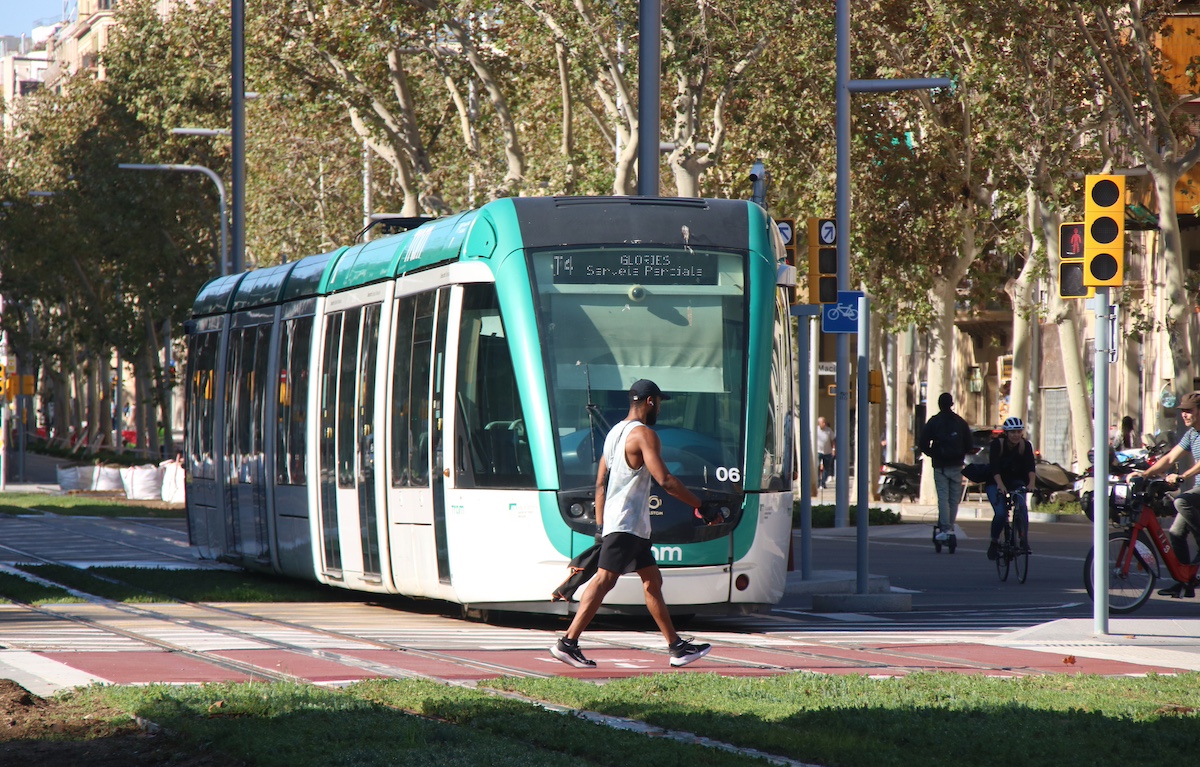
<point>728,474</point>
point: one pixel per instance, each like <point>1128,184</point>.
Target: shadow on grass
<point>927,719</point>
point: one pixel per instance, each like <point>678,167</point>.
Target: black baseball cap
<point>644,388</point>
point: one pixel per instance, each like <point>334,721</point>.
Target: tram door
<point>350,541</point>
<point>416,507</point>
<point>247,370</point>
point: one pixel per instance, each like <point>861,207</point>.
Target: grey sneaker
<point>942,537</point>
<point>684,652</point>
<point>569,653</point>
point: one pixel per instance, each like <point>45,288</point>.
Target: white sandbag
<point>106,478</point>
<point>172,481</point>
<point>87,474</point>
<point>142,483</point>
<point>68,477</point>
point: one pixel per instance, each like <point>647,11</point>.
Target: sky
<point>17,16</point>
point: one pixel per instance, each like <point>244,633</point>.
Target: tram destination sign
<point>607,267</point>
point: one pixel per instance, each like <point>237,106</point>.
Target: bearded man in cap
<point>1187,503</point>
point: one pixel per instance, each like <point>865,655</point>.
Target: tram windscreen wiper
<point>594,414</point>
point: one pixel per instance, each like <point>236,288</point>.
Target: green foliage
<point>823,515</point>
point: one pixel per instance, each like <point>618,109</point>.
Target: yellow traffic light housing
<point>1104,231</point>
<point>875,386</point>
<point>822,261</point>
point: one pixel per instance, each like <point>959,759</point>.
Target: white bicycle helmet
<point>1013,424</point>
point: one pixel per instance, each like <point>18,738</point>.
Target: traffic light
<point>875,386</point>
<point>787,230</point>
<point>1070,265</point>
<point>822,261</point>
<point>1104,231</point>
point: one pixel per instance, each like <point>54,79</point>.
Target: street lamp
<point>220,192</point>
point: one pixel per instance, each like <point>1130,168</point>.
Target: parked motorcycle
<point>1054,483</point>
<point>900,481</point>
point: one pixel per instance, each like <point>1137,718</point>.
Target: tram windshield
<point>611,315</point>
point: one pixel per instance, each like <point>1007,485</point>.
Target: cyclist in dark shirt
<point>1013,468</point>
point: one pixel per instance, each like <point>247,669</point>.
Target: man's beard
<point>651,417</point>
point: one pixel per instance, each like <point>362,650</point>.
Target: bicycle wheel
<point>1004,555</point>
<point>1022,562</point>
<point>1127,591</point>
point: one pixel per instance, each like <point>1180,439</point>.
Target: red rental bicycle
<point>1134,551</point>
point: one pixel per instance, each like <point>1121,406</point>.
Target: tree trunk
<point>1170,255</point>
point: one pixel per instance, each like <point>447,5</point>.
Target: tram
<point>423,414</point>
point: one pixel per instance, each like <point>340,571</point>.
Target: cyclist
<point>1187,503</point>
<point>1013,469</point>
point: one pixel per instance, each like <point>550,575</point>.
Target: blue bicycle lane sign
<point>841,317</point>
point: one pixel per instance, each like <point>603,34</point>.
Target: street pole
<point>237,72</point>
<point>649,73</point>
<point>864,447</point>
<point>1100,462</point>
<point>220,194</point>
<point>844,87</point>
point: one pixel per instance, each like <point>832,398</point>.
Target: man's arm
<point>650,446</point>
<point>601,490</point>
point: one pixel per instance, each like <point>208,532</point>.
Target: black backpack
<point>582,567</point>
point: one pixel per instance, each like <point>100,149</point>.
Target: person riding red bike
<point>1187,503</point>
<point>1013,468</point>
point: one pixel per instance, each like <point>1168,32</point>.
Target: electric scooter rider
<point>1014,469</point>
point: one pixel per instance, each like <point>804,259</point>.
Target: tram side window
<point>295,347</point>
<point>493,445</point>
<point>410,389</point>
<point>202,412</point>
<point>246,367</point>
<point>346,405</point>
<point>778,436</point>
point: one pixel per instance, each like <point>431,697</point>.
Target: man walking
<point>825,450</point>
<point>946,439</point>
<point>632,456</point>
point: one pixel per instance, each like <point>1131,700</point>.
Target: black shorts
<point>625,552</point>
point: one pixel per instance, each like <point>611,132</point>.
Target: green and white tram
<point>422,414</point>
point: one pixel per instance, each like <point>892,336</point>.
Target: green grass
<point>932,720</point>
<point>924,719</point>
<point>14,588</point>
<point>369,725</point>
<point>144,584</point>
<point>822,516</point>
<point>82,506</point>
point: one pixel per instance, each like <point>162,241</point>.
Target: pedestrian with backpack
<point>946,439</point>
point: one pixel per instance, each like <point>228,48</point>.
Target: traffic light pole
<point>846,86</point>
<point>1100,448</point>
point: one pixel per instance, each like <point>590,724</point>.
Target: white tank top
<point>627,498</point>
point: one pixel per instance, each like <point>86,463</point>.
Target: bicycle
<point>1011,551</point>
<point>1135,551</point>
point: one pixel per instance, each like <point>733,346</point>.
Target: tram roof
<point>433,243</point>
<point>263,287</point>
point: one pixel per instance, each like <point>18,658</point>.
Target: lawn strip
<point>14,588</point>
<point>928,719</point>
<point>369,725</point>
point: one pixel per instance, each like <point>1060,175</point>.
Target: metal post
<point>649,74</point>
<point>238,78</point>
<point>864,446</point>
<point>842,340</point>
<point>806,420</point>
<point>1100,448</point>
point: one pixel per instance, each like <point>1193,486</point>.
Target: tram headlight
<point>637,293</point>
<point>575,510</point>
